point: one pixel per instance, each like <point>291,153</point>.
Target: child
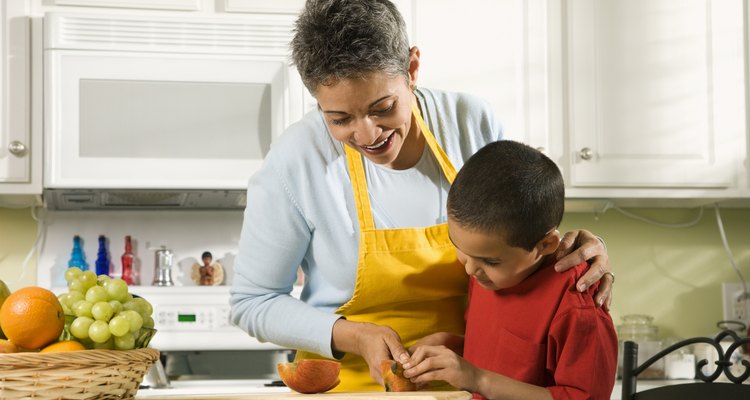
<point>529,333</point>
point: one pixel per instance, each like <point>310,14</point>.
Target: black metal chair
<point>706,389</point>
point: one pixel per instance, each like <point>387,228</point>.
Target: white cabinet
<point>20,168</point>
<point>631,98</point>
<point>655,93</point>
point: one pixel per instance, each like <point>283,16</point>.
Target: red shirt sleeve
<point>582,352</point>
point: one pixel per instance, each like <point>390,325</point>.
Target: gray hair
<point>349,39</point>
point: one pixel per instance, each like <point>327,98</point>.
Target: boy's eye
<point>490,263</point>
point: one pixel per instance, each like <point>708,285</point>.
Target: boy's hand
<point>447,339</point>
<point>581,245</point>
<point>439,363</point>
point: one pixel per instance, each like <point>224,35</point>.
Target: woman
<point>354,193</point>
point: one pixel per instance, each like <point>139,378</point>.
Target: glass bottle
<point>127,262</point>
<point>77,259</point>
<point>640,329</point>
<point>102,258</point>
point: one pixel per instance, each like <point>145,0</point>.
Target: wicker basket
<point>89,374</point>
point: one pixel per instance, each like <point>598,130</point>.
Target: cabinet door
<point>656,94</point>
<point>497,50</point>
<point>15,130</point>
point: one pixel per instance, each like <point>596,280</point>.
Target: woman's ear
<point>549,243</point>
<point>413,66</point>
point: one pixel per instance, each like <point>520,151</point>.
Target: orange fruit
<point>63,345</point>
<point>7,347</point>
<point>32,317</point>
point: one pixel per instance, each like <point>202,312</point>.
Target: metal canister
<point>163,267</point>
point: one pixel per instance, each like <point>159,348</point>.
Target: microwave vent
<point>131,199</point>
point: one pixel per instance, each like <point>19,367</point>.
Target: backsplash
<point>186,233</point>
<point>675,275</point>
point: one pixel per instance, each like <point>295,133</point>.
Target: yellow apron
<point>408,279</point>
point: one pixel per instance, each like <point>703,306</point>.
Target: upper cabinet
<point>631,98</point>
<point>655,93</point>
<point>20,158</point>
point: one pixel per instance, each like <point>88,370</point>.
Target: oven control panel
<point>192,318</point>
<point>197,318</point>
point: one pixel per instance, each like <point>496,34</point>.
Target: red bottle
<point>127,262</point>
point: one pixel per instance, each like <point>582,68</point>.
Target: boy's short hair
<point>510,189</point>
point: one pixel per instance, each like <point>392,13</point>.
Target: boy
<point>529,333</point>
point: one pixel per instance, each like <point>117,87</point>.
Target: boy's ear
<point>549,243</point>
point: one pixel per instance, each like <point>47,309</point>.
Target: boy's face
<point>488,258</point>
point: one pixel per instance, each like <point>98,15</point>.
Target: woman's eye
<point>386,110</point>
<point>340,122</point>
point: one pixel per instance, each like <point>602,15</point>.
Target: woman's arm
<point>273,242</point>
<point>581,245</point>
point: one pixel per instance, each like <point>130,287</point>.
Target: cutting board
<point>457,395</point>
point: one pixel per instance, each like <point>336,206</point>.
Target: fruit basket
<point>87,374</point>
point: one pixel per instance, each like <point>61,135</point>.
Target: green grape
<point>119,325</point>
<point>132,305</point>
<point>77,285</point>
<point>72,273</point>
<point>103,280</point>
<point>80,327</point>
<point>148,322</point>
<point>116,306</point>
<point>82,308</point>
<point>89,279</point>
<point>99,331</point>
<point>108,344</point>
<point>125,342</point>
<point>74,296</point>
<point>135,319</point>
<point>118,290</point>
<point>67,310</point>
<point>96,294</point>
<point>146,308</point>
<point>102,311</point>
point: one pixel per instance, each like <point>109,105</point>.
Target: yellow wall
<point>17,235</point>
<point>675,275</point>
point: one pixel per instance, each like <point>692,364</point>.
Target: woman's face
<point>373,116</point>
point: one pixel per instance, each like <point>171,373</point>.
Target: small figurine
<point>211,273</point>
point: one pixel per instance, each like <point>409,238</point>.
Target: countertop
<point>256,390</point>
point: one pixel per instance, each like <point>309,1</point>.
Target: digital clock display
<point>185,317</point>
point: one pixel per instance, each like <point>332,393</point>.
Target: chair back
<point>706,388</point>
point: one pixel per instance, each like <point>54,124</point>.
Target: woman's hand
<point>439,363</point>
<point>581,245</point>
<point>447,339</point>
<point>372,342</point>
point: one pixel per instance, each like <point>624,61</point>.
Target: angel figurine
<point>211,273</point>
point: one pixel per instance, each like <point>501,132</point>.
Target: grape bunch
<point>106,315</point>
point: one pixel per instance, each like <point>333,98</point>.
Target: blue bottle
<point>102,258</point>
<point>77,259</point>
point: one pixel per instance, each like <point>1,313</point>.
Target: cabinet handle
<point>17,148</point>
<point>586,153</point>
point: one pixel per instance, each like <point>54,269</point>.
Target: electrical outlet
<point>736,302</point>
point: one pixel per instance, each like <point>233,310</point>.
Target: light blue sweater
<point>300,212</point>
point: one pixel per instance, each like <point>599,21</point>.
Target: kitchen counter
<point>256,390</point>
<point>236,389</point>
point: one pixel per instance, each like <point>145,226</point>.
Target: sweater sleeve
<point>582,352</point>
<point>274,239</point>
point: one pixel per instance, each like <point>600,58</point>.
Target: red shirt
<point>544,332</point>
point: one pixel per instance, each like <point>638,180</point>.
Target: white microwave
<point>170,104</point>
